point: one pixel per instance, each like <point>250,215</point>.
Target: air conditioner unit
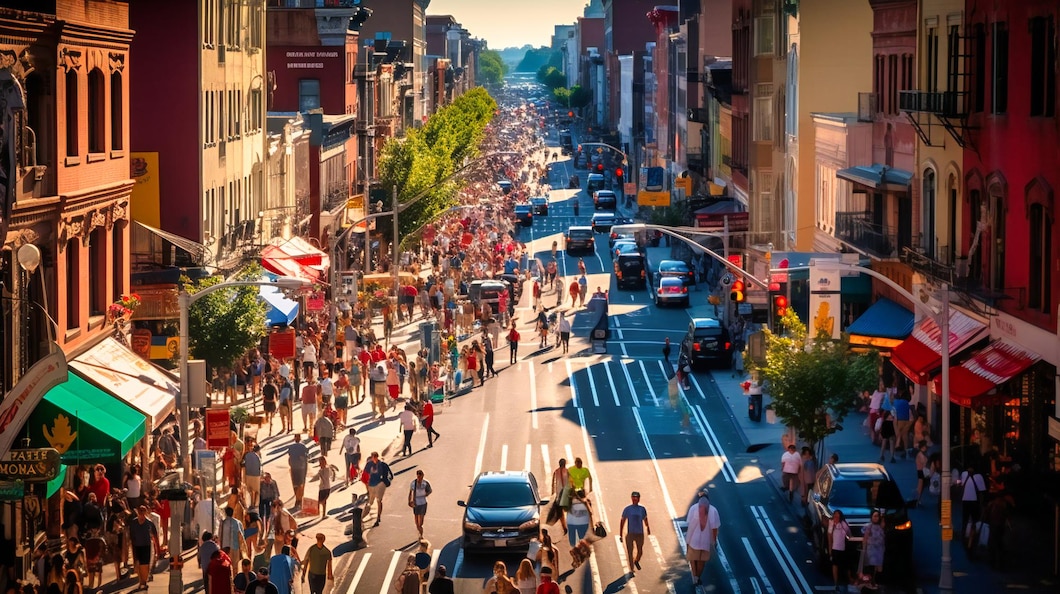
<point>698,114</point>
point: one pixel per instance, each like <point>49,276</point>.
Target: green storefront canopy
<point>84,423</point>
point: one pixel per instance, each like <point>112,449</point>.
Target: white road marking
<point>390,572</point>
<point>651,388</point>
<point>533,396</point>
<point>659,558</point>
<point>592,385</point>
<point>625,563</point>
<point>360,572</point>
<point>629,380</point>
<point>459,563</point>
<point>526,461</point>
<point>587,460</point>
<point>504,458</point>
<point>547,464</point>
<point>618,327</point>
<point>570,382</point>
<point>594,571</point>
<point>481,446</point>
<point>758,566</point>
<point>780,551</point>
<point>611,382</point>
<point>727,471</point>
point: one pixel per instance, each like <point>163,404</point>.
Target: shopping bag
<point>310,507</point>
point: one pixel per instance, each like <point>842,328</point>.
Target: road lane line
<point>670,505</point>
<point>481,446</point>
<point>592,385</point>
<point>459,563</point>
<point>526,461</point>
<point>587,460</point>
<point>624,563</point>
<point>360,572</point>
<point>712,440</point>
<point>435,556</point>
<point>622,346</point>
<point>611,382</point>
<point>390,572</point>
<point>570,382</point>
<point>504,458</point>
<point>618,328</point>
<point>779,549</point>
<point>533,396</point>
<point>758,566</point>
<point>659,558</point>
<point>594,571</point>
<point>629,381</point>
<point>651,388</point>
<point>547,463</point>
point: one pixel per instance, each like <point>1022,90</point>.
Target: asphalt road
<point>617,412</point>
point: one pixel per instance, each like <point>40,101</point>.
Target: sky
<point>507,23</point>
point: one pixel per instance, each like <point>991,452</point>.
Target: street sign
<point>38,465</point>
<point>648,198</point>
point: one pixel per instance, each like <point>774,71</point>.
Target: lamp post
<point>184,301</point>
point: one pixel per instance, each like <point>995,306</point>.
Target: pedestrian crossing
<point>605,381</point>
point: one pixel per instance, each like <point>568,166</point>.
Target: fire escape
<point>948,108</point>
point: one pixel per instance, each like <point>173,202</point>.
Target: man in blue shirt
<point>379,477</point>
<point>635,518</point>
<point>902,422</point>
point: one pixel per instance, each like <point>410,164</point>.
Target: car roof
<point>541,198</point>
<point>579,228</point>
<point>856,471</point>
<point>605,192</point>
<point>705,323</point>
<point>522,205</point>
<point>595,175</point>
<point>504,476</point>
<point>670,280</point>
<point>671,264</point>
<point>603,215</point>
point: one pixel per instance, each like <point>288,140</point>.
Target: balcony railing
<point>932,267</point>
<point>313,3</point>
<point>857,229</point>
<point>942,103</point>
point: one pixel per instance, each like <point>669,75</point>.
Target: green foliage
<point>671,216</point>
<point>491,68</point>
<point>562,96</point>
<point>417,164</point>
<point>814,380</point>
<point>535,58</point>
<point>225,324</point>
<point>580,96</point>
<point>552,77</point>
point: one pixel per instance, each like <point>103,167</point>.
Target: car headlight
<point>907,525</point>
<point>529,525</point>
<point>472,527</point>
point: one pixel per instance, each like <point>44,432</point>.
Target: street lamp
<point>184,301</point>
<point>942,319</point>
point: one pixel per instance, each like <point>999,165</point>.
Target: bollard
<point>356,530</point>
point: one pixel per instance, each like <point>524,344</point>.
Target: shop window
<point>71,114</point>
<point>979,79</point>
<point>999,68</point>
<point>927,218</point>
<point>117,103</point>
<point>97,114</point>
<point>1043,66</point>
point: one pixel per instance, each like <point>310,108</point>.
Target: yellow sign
<point>145,201</point>
<point>684,182</point>
<point>646,198</point>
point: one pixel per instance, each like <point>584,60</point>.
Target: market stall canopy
<point>281,309</point>
<point>304,253</point>
<point>877,177</point>
<point>131,379</point>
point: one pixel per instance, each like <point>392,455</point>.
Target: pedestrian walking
<point>298,460</point>
<point>283,527</point>
<point>442,583</point>
<point>252,473</point>
<point>885,429</point>
<point>873,546</point>
<point>232,536</point>
<point>791,468</point>
<point>324,476</point>
<point>407,421</point>
<point>526,577</point>
<point>580,477</point>
<point>973,491</point>
<point>263,585</point>
<point>419,491</point>
<point>324,431</point>
<point>351,450</point>
<point>583,285</point>
<point>635,525</point>
<point>144,536</point>
<point>207,547</point>
<point>427,419</point>
<point>574,290</point>
<point>286,406</point>
<point>579,517</point>
<point>809,472</point>
<point>666,351</point>
<point>281,571</point>
<point>310,398</point>
<point>513,344</point>
<point>701,534</point>
<point>318,569</point>
<point>269,396</point>
<point>564,328</point>
<point>410,581</point>
<point>245,578</point>
<point>379,478</point>
<point>219,573</point>
<point>839,534</point>
<point>561,492</point>
<point>270,492</point>
<point>487,348</point>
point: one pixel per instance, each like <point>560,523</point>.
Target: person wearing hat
<point>635,518</point>
<point>262,585</point>
<point>702,534</point>
<point>547,586</point>
<point>442,583</point>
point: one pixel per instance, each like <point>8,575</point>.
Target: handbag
<point>599,530</point>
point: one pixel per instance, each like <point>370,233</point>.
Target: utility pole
<point>394,246</point>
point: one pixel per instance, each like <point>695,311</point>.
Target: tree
<point>491,68</point>
<point>225,324</point>
<point>814,383</point>
<point>580,96</point>
<point>551,77</point>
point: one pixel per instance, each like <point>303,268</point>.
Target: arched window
<point>1039,200</point>
<point>97,116</point>
<point>117,104</point>
<point>997,190</point>
<point>927,216</point>
<point>72,122</point>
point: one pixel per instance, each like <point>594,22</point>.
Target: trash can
<point>754,407</point>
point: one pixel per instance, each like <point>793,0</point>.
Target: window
<point>927,218</point>
<point>1043,66</point>
<point>907,73</point>
<point>931,60</point>
<point>97,116</point>
<point>238,112</point>
<point>994,249</point>
<point>117,238</point>
<point>308,94</point>
<point>979,80</point>
<point>763,35</point>
<point>953,59</point>
<point>892,84</point>
<point>763,114</point>
<point>999,69</point>
<point>254,113</point>
<point>73,284</point>
<point>1041,259</point>
<point>71,114</point>
<point>878,82</point>
<point>117,102</point>
<point>97,262</point>
<point>255,27</point>
<point>208,23</point>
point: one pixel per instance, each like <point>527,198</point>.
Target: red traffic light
<point>570,114</point>
<point>780,305</point>
<point>599,166</point>
<point>736,292</point>
<point>618,172</point>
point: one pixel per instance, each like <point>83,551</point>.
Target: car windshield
<point>501,495</point>
<point>630,263</point>
<point>878,493</point>
<point>673,267</point>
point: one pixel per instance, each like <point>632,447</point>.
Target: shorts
<point>375,493</point>
<point>419,510</point>
<point>142,555</point>
<point>298,476</point>
<point>342,402</point>
<point>269,406</point>
<point>253,484</point>
<point>379,389</point>
<point>353,460</point>
<point>285,411</point>
<point>394,390</point>
<point>322,495</point>
<point>695,554</point>
<point>309,409</point>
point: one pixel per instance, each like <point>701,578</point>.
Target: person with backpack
<point>379,478</point>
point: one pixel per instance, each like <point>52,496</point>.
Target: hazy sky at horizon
<point>506,23</point>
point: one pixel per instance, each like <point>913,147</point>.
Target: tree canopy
<point>491,68</point>
<point>814,380</point>
<point>551,77</point>
<point>419,163</point>
<point>575,97</point>
<point>225,324</point>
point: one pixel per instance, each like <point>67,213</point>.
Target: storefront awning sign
<point>38,465</point>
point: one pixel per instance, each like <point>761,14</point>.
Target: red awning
<point>279,262</point>
<point>304,252</point>
<point>921,354</point>
<point>971,382</point>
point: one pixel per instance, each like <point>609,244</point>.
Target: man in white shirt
<point>703,523</point>
<point>790,466</point>
<point>408,426</point>
<point>327,390</point>
<point>351,448</point>
<point>875,402</point>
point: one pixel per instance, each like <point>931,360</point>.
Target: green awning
<point>57,482</point>
<point>84,423</point>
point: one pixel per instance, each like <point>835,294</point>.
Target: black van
<point>629,271</point>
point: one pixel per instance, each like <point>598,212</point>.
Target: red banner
<point>218,428</point>
<point>281,344</point>
<point>141,342</point>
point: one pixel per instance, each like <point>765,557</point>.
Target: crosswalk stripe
<point>592,385</point>
<point>390,573</point>
<point>360,572</point>
<point>504,458</point>
<point>629,382</point>
<point>611,381</point>
<point>533,396</point>
<point>547,463</point>
<point>651,389</point>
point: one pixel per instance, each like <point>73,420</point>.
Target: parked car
<point>539,205</point>
<point>524,215</point>
<point>616,236</point>
<point>595,182</point>
<point>675,268</point>
<point>579,237</point>
<point>630,270</point>
<point>502,511</point>
<point>858,489</point>
<point>670,290</point>
<point>707,341</point>
<point>624,247</point>
<point>605,199</point>
<point>602,221</point>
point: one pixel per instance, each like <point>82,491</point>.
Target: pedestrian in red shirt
<point>547,586</point>
<point>219,572</point>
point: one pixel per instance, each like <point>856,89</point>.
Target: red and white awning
<point>921,354</point>
<point>972,382</point>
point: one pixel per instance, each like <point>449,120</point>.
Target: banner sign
<point>218,428</point>
<point>27,393</point>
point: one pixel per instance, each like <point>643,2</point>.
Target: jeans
<point>316,583</point>
<point>576,533</point>
<point>407,446</point>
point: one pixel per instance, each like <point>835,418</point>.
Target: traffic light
<point>780,306</point>
<point>736,292</point>
<point>618,174</point>
<point>599,167</point>
<point>570,114</point>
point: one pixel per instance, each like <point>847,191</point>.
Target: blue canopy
<point>281,309</point>
<point>884,319</point>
